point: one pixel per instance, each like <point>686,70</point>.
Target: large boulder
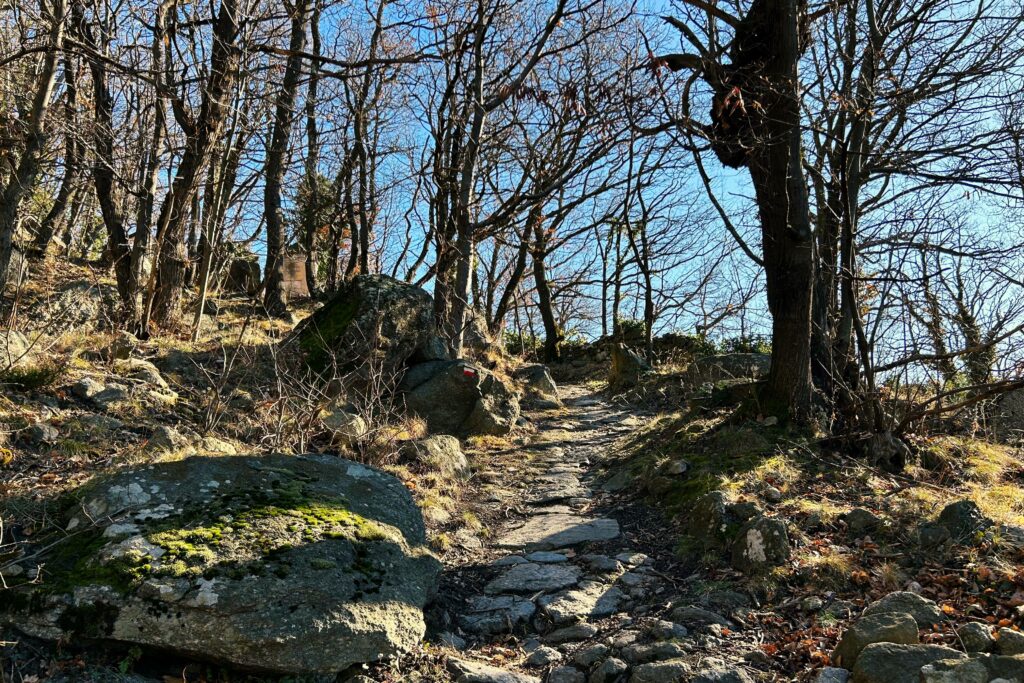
<point>79,305</point>
<point>876,628</point>
<point>728,366</point>
<point>628,368</point>
<point>15,349</point>
<point>374,323</point>
<point>438,453</point>
<point>537,381</point>
<point>289,564</point>
<point>243,276</point>
<point>457,397</point>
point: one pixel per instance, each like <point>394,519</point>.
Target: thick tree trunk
<point>167,283</point>
<point>275,299</point>
<point>545,300</point>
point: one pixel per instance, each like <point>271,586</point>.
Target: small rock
<point>655,652</point>
<point>609,671</point>
<point>566,674</point>
<point>451,640</point>
<point>832,674</point>
<point>466,671</point>
<point>876,628</point>
<point>667,630</point>
<point>631,559</point>
<point>543,656</point>
<point>532,577</point>
<point>860,522</point>
<point>498,614</point>
<point>86,388</point>
<point>509,560</point>
<point>762,544</point>
<point>925,611</point>
<point>677,467</point>
<point>772,494</point>
<point>976,637</point>
<point>963,519</point>
<point>346,428</point>
<point>42,433</point>
<point>166,438</point>
<point>698,615</point>
<point>547,557</point>
<point>660,672</point>
<point>723,676</point>
<point>1009,642</point>
<point>212,444</point>
<point>812,603</point>
<point>601,564</point>
<point>571,634</point>
<point>589,656</point>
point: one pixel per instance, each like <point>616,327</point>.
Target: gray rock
<point>458,397</point>
<point>439,453</point>
<point>723,676</point>
<point>346,428</point>
<point>876,628</point>
<point>371,316</point>
<point>591,655</point>
<point>714,521</point>
<point>543,656</point>
<point>465,671</point>
<point>609,671</point>
<point>976,637</point>
<point>627,369</point>
<point>79,305</point>
<point>566,674</point>
<point>963,519</point>
<point>509,560</point>
<point>832,674</point>
<point>532,578</point>
<point>690,614</point>
<point>601,564</point>
<point>761,545</point>
<point>487,615</point>
<point>1009,642</point>
<point>860,522</point>
<point>671,671</point>
<point>727,366</point>
<point>925,611</point>
<point>451,640</point>
<point>955,671</point>
<point>591,600</point>
<point>547,557</point>
<point>538,381</point>
<point>141,370</point>
<point>891,663</point>
<point>654,652</point>
<point>42,433</point>
<point>1008,416</point>
<point>15,349</point>
<point>169,439</point>
<point>545,532</point>
<point>290,564</point>
<point>572,634</point>
<point>86,388</point>
<point>667,630</point>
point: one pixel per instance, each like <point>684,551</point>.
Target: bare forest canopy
<point>844,179</point>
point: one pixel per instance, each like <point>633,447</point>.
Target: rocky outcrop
<point>460,398</point>
<point>1007,416</point>
<point>292,564</point>
<point>80,305</point>
<point>374,323</point>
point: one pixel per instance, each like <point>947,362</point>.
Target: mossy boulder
<point>374,323</point>
<point>287,564</point>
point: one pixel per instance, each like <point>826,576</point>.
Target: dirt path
<point>577,586</point>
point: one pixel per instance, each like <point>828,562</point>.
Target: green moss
<point>317,337</point>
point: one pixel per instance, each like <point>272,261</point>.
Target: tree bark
<point>167,282</point>
<point>72,154</point>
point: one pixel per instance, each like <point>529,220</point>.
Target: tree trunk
<point>309,230</point>
<point>23,179</point>
<point>275,299</point>
<point>166,284</point>
<point>47,229</point>
<point>545,303</point>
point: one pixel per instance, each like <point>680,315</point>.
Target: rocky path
<point>563,585</point>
